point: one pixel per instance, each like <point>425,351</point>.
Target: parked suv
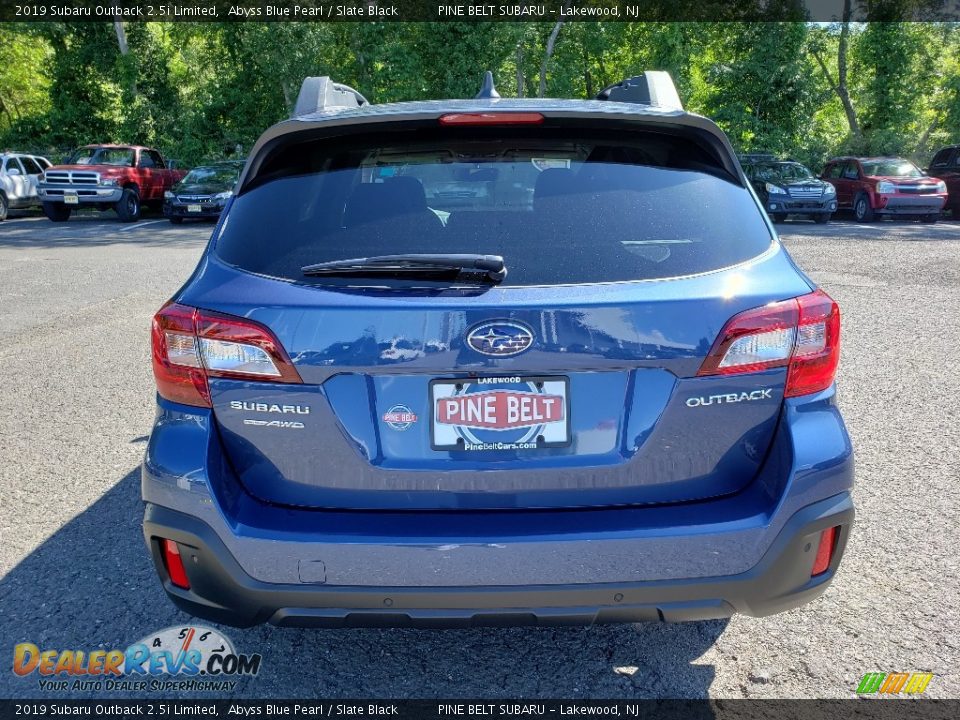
<point>607,396</point>
<point>886,186</point>
<point>118,177</point>
<point>788,188</point>
<point>946,166</point>
<point>19,175</point>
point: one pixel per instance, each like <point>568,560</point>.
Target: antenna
<point>487,90</point>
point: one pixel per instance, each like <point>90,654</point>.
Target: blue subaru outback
<point>495,361</point>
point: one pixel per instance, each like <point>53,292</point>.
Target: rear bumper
<point>221,591</point>
<point>251,562</point>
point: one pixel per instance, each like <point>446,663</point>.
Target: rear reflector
<point>802,334</point>
<point>191,345</point>
<point>492,118</point>
<point>174,564</point>
<point>824,551</point>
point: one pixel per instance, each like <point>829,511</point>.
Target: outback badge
<point>500,338</point>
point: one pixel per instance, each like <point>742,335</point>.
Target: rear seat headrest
<point>553,182</point>
<point>407,192</point>
<point>370,202</point>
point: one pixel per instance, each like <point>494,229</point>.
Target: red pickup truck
<point>122,177</point>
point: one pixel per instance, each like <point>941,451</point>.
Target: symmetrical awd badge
<point>500,338</point>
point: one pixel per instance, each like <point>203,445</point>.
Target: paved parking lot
<point>75,305</point>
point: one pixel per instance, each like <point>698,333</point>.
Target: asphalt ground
<point>77,405</point>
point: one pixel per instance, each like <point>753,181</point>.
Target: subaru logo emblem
<point>500,338</point>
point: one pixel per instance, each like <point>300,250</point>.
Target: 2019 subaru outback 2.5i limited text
<point>585,383</point>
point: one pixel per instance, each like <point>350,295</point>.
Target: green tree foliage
<point>200,90</point>
<point>895,73</point>
<point>24,93</point>
<point>758,85</point>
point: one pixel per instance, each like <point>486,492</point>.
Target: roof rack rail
<point>322,93</point>
<point>653,87</point>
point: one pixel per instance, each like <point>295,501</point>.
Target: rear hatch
<point>571,382</point>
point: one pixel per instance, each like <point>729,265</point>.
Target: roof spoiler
<point>654,88</point>
<point>321,93</point>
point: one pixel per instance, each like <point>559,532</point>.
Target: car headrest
<point>406,194</point>
<point>370,202</point>
<point>553,182</point>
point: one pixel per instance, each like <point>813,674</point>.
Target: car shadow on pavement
<point>91,585</point>
<point>91,230</point>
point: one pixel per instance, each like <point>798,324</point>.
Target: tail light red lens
<point>173,562</point>
<point>828,540</point>
<point>802,334</point>
<point>817,352</point>
<point>176,361</point>
<point>492,118</point>
<point>191,345</point>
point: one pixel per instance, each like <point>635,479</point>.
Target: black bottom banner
<point>852,709</point>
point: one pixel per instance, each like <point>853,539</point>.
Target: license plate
<point>193,208</point>
<point>71,199</point>
<point>499,413</point>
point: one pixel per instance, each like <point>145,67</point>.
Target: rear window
<point>560,207</point>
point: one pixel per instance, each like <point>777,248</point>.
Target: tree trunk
<point>121,36</point>
<point>922,144</point>
<point>842,90</point>
<point>587,75</point>
<point>520,79</point>
<point>839,86</point>
<point>551,45</point>
<point>5,110</point>
<point>124,48</point>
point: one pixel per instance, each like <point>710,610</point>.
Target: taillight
<point>828,541</point>
<point>492,118</point>
<point>173,562</point>
<point>191,345</point>
<point>802,334</point>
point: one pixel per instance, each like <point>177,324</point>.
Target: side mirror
<point>13,171</point>
<point>171,164</point>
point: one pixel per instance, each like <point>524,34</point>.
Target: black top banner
<point>551,11</point>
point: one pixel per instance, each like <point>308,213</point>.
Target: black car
<point>788,188</point>
<point>203,192</point>
<point>946,166</point>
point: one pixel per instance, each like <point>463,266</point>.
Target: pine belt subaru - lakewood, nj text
<point>495,361</point>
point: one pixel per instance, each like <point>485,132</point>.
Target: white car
<point>19,175</point>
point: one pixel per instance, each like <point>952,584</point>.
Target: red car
<point>946,165</point>
<point>885,186</point>
<point>121,177</point>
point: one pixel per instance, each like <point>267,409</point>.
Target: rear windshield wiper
<point>416,264</point>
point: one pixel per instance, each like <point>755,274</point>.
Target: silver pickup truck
<point>19,176</point>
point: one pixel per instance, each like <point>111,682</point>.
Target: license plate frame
<point>71,198</point>
<point>557,435</point>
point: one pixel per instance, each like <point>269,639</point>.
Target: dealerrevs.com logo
<point>894,683</point>
<point>193,658</point>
